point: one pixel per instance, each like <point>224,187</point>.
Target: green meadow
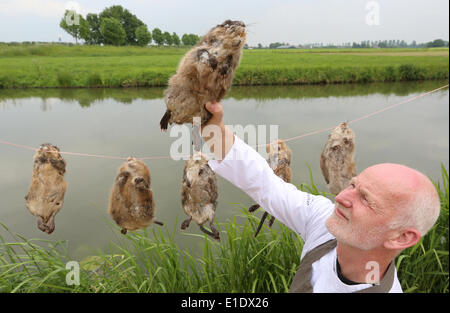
<point>31,66</point>
<point>151,261</point>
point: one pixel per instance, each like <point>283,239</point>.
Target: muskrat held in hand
<point>131,203</point>
<point>46,194</point>
<point>204,74</point>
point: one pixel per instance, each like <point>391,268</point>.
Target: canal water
<point>123,122</point>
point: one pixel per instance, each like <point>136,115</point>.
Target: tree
<point>92,35</point>
<point>143,36</point>
<point>168,38</point>
<point>112,32</point>
<point>128,21</point>
<point>436,43</point>
<point>158,36</point>
<point>175,39</point>
<point>189,39</point>
<point>193,39</point>
<point>74,24</point>
<point>185,39</point>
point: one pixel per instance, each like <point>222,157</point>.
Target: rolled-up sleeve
<point>249,171</point>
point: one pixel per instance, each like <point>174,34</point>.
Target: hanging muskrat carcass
<point>337,160</point>
<point>204,74</point>
<point>199,195</point>
<point>279,159</point>
<point>46,194</point>
<point>131,203</point>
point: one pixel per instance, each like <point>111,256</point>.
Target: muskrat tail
<point>263,218</point>
<point>209,233</point>
<point>253,208</point>
<point>165,120</point>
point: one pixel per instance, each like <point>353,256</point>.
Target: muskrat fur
<point>46,194</point>
<point>279,159</point>
<point>204,74</point>
<point>199,194</point>
<point>337,160</point>
<point>131,203</point>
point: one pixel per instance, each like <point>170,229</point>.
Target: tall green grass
<point>147,262</point>
<point>41,66</point>
<point>424,267</point>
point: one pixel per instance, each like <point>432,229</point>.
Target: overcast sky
<point>292,21</point>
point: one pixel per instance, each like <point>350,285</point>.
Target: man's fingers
<point>215,108</point>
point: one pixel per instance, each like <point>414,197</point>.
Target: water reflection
<point>89,96</point>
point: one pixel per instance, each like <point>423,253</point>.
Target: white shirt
<point>302,212</point>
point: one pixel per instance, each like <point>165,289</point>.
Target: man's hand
<point>215,108</point>
<point>218,137</point>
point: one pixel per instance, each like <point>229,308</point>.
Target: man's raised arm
<point>247,170</point>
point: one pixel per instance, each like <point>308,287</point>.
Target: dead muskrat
<point>131,203</point>
<point>199,195</point>
<point>204,74</point>
<point>338,158</point>
<point>279,159</point>
<point>46,194</point>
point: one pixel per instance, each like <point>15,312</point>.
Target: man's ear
<point>403,239</point>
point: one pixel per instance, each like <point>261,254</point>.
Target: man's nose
<point>344,198</point>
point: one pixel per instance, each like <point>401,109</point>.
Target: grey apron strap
<point>302,279</point>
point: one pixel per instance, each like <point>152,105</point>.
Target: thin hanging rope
<point>364,116</point>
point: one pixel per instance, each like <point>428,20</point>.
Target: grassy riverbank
<point>153,262</point>
<point>94,66</point>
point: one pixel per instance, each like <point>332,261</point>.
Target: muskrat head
<point>45,209</point>
<point>46,225</point>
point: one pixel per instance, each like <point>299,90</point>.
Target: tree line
<point>118,26</point>
<point>362,44</point>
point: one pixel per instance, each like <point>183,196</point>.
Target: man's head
<point>386,206</point>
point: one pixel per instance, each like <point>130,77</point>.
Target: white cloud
<point>41,8</point>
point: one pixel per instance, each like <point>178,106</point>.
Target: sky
<point>290,21</point>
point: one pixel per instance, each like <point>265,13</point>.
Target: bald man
<point>350,245</point>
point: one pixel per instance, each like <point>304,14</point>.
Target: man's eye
<point>364,200</point>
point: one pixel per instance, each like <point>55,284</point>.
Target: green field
<point>27,66</point>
